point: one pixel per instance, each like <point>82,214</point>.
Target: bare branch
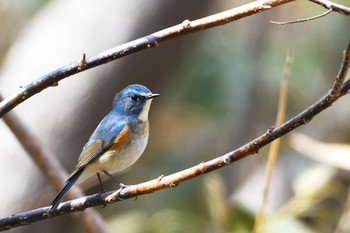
<point>334,6</point>
<point>174,179</point>
<point>91,220</point>
<point>303,20</point>
<point>150,41</point>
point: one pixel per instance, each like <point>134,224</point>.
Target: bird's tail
<point>71,180</point>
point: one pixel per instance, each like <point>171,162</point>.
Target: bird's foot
<point>122,186</point>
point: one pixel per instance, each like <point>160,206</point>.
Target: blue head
<point>134,100</point>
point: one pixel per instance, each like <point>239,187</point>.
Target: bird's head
<point>134,100</point>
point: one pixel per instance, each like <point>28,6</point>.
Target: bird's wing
<point>109,134</point>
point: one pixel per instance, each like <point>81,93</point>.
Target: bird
<point>117,142</point>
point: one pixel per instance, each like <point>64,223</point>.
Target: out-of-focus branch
<point>152,40</point>
<point>91,220</point>
<point>174,179</point>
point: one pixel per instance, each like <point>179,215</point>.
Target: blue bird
<point>117,142</point>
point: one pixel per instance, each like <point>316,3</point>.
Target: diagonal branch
<point>51,79</point>
<point>150,41</point>
<point>174,179</point>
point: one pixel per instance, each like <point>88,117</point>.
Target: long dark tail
<point>71,180</point>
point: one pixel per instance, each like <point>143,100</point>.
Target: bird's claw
<point>123,186</point>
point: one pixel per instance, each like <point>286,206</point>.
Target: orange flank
<point>122,139</point>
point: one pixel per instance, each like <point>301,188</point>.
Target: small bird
<point>117,142</point>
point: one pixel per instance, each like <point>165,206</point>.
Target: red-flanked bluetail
<point>117,142</point>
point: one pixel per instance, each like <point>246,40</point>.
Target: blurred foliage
<point>227,92</point>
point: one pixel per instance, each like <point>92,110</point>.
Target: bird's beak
<point>151,96</point>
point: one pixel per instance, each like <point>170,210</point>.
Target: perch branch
<point>91,221</point>
<point>150,41</point>
<point>175,179</point>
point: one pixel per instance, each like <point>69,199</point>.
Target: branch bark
<point>174,179</point>
<point>150,41</point>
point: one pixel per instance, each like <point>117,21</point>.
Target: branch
<point>330,6</point>
<point>150,41</point>
<point>48,164</point>
<point>174,179</point>
<point>303,20</point>
<point>153,40</point>
<point>334,6</point>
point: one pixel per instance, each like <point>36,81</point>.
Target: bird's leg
<point>116,180</point>
<point>101,185</point>
<point>100,181</point>
<point>122,186</point>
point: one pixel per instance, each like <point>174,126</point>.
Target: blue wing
<point>111,130</point>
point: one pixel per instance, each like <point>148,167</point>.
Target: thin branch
<point>303,20</point>
<point>51,79</point>
<point>174,179</point>
<point>339,86</point>
<point>91,220</point>
<point>150,41</point>
<point>334,6</point>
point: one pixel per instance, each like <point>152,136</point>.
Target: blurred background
<point>219,90</point>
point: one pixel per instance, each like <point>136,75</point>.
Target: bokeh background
<point>219,89</point>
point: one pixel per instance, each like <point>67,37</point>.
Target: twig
<point>339,86</point>
<point>91,221</point>
<point>152,40</point>
<point>334,6</point>
<point>303,20</point>
<point>82,62</point>
<point>174,179</point>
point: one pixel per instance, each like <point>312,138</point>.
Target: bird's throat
<point>143,116</point>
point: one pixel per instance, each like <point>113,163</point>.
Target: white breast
<point>125,157</point>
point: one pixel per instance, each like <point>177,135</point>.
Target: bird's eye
<point>134,97</point>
